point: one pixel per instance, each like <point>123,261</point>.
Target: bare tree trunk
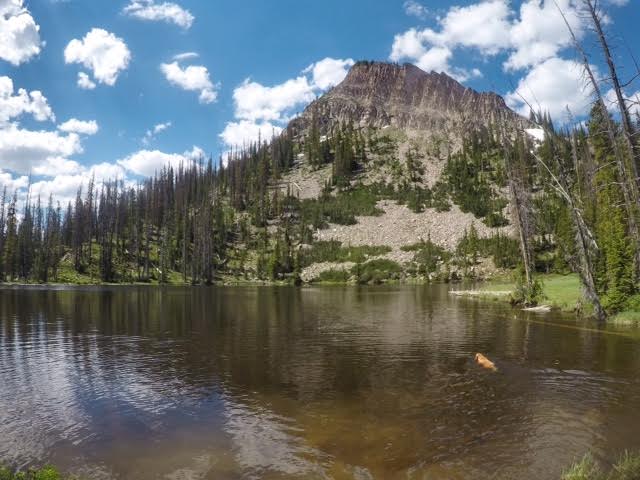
<point>520,208</point>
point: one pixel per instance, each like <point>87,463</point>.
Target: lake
<point>312,383</point>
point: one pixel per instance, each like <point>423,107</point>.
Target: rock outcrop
<point>379,94</point>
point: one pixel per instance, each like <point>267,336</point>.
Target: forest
<point>573,199</point>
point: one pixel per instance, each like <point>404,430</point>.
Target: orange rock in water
<point>484,362</point>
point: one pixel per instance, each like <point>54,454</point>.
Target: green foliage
<point>377,271</point>
<point>333,251</point>
<point>525,294</point>
<point>427,256</point>
<point>333,276</point>
<point>626,468</point>
<point>341,208</point>
<point>585,469</point>
<point>615,267</point>
<point>471,175</point>
<point>468,248</point>
<point>46,473</point>
<point>504,250</point>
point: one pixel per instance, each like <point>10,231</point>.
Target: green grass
<point>585,469</point>
<point>560,291</point>
<point>626,468</point>
<point>46,473</point>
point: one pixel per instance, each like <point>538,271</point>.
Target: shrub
<point>377,271</point>
<point>333,276</point>
<point>333,251</point>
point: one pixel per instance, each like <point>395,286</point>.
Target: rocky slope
<point>418,110</point>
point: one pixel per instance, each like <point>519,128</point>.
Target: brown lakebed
<point>318,382</point>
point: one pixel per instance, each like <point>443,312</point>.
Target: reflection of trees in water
<point>360,370</point>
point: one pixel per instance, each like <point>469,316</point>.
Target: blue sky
<point>242,67</point>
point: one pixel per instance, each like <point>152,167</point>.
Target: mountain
<point>379,95</point>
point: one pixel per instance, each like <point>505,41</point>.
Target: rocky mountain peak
<point>378,94</point>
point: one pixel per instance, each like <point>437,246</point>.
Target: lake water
<point>317,383</point>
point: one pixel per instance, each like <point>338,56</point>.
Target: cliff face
<point>382,94</point>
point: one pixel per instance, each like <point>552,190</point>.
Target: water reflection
<point>312,383</point>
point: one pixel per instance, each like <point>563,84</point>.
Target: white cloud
<point>53,167</point>
<point>85,82</point>
<point>102,52</point>
<point>192,78</point>
<point>150,134</point>
<point>245,132</point>
<point>484,25</point>
<point>412,45</point>
<point>552,86</point>
<point>185,56</point>
<point>529,36</point>
<point>329,72</point>
<point>262,110</point>
<point>540,32</point>
<point>12,183</point>
<point>160,12</point>
<point>415,9</point>
<point>19,33</point>
<point>23,150</point>
<point>13,106</point>
<point>148,162</point>
<point>257,102</point>
<point>79,126</point>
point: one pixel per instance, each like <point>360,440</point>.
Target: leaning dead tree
<point>586,246</point>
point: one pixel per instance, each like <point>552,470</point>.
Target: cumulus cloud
<point>556,86</point>
<point>540,32</point>
<point>14,105</point>
<point>261,110</point>
<point>53,167</point>
<point>412,45</point>
<point>166,12</point>
<point>23,150</point>
<point>245,131</point>
<point>79,126</point>
<point>12,183</point>
<point>191,78</point>
<point>255,101</point>
<point>19,33</point>
<point>329,72</point>
<point>105,54</point>
<point>148,162</point>
<point>530,36</point>
<point>85,82</point>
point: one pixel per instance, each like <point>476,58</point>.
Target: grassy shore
<point>46,473</point>
<point>561,292</point>
<point>627,468</point>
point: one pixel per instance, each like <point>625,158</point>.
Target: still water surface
<point>317,383</point>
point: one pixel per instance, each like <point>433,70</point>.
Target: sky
<point>119,88</point>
